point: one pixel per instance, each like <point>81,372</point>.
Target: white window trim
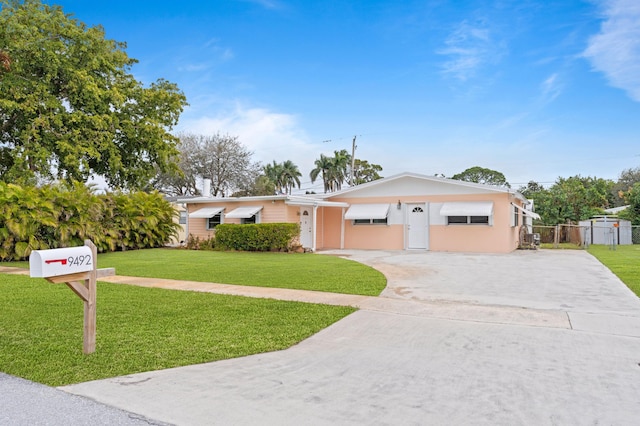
<point>370,222</point>
<point>221,221</point>
<point>489,222</point>
<point>257,220</point>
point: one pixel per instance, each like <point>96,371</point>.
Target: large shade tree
<point>482,175</point>
<point>571,199</point>
<point>69,106</point>
<point>364,172</point>
<point>221,158</point>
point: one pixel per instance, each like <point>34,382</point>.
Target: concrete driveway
<point>446,344</point>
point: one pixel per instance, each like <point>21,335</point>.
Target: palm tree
<point>339,169</point>
<point>290,175</point>
<point>273,172</point>
<point>323,166</point>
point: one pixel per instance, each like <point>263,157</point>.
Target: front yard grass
<point>280,270</point>
<point>141,329</point>
<point>624,261</point>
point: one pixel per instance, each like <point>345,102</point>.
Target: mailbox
<point>63,261</point>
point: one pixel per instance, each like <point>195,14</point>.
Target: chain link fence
<point>583,236</point>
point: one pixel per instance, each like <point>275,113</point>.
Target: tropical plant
<point>323,169</point>
<point>334,170</point>
<point>62,215</point>
<point>290,176</point>
<point>274,172</point>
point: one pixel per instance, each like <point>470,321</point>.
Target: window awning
<point>367,211</point>
<point>206,212</point>
<point>467,208</point>
<point>526,212</point>
<point>243,212</point>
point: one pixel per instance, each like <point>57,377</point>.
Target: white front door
<point>417,226</point>
<point>306,227</point>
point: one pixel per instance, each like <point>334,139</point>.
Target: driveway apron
<point>540,337</point>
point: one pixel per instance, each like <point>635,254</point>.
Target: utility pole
<point>353,160</point>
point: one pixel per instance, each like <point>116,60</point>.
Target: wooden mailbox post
<point>76,267</point>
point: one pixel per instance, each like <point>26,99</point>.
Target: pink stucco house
<point>407,211</point>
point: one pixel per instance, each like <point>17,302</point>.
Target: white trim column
<point>314,227</point>
<point>342,230</point>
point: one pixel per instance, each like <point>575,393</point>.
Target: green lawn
<point>283,270</point>
<point>140,329</point>
<point>624,261</point>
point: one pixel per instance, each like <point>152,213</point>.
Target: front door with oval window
<point>306,227</point>
<point>417,226</point>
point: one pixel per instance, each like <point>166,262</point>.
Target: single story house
<point>407,211</point>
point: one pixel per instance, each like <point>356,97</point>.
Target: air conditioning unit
<point>532,239</point>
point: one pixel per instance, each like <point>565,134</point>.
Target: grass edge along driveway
<point>143,329</point>
<point>279,270</point>
<point>624,262</point>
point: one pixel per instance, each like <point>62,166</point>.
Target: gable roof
<point>423,182</point>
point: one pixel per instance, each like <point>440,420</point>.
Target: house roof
<point>201,200</point>
<point>460,185</point>
<point>375,186</point>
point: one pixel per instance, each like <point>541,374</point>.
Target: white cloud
<point>468,48</point>
<point>267,4</point>
<point>269,135</point>
<point>551,88</point>
<point>615,50</point>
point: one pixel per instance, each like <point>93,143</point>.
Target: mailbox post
<point>76,267</point>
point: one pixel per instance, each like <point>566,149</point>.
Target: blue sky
<point>533,89</point>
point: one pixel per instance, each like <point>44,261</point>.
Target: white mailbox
<point>62,261</point>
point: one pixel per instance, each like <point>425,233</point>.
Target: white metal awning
<point>526,212</point>
<point>243,212</point>
<point>467,208</point>
<point>206,212</point>
<point>367,211</point>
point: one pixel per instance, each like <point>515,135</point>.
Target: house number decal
<point>71,261</point>
<point>79,260</point>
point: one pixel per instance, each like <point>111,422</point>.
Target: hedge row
<point>256,237</point>
<point>64,216</point>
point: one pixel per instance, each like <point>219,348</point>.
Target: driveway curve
<point>410,364</point>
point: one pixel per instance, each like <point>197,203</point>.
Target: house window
<point>183,218</point>
<point>370,221</point>
<point>249,220</point>
<point>516,216</point>
<point>214,221</point>
<point>467,220</point>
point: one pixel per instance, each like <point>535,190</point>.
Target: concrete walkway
<point>541,337</point>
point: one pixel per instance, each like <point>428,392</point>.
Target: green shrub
<point>52,216</point>
<point>256,237</point>
<point>197,243</point>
